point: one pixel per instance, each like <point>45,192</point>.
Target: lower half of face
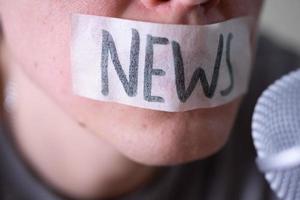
<point>37,34</point>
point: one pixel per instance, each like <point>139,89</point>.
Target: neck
<point>66,156</point>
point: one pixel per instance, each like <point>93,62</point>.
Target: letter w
<point>208,89</point>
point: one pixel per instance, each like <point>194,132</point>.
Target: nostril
<point>194,2</point>
<point>153,3</point>
<point>204,3</point>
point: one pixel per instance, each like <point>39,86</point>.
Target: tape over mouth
<point>163,67</point>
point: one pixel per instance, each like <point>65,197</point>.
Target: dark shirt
<point>230,174</point>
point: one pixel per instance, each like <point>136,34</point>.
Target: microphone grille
<point>276,128</point>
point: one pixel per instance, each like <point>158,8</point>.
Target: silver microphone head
<point>276,135</point>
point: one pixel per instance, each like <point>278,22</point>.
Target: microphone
<point>276,135</point>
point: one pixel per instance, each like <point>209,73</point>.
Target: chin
<point>159,138</point>
<point>169,152</point>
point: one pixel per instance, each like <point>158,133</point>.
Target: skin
<point>82,134</point>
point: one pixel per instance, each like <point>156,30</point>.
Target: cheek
<point>40,44</point>
<point>234,8</point>
<point>38,36</point>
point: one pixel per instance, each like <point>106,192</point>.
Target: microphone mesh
<point>276,127</point>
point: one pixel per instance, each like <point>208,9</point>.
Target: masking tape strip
<point>160,66</point>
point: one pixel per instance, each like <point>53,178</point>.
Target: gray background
<point>281,20</point>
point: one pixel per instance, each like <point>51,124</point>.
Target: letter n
<point>109,47</point>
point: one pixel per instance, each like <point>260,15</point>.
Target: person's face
<point>37,32</point>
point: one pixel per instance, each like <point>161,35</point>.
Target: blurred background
<point>281,21</point>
